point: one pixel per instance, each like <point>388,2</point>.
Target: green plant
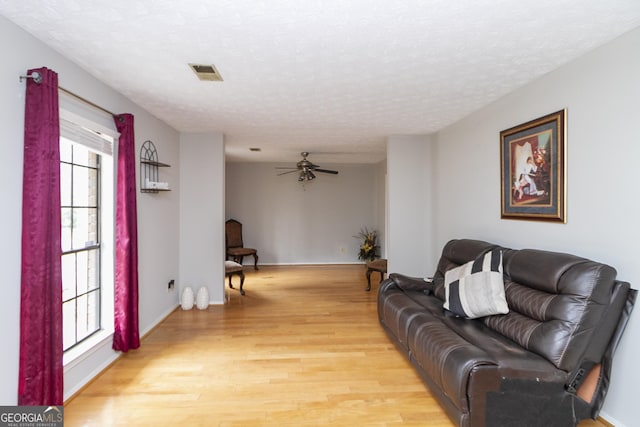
<point>369,247</point>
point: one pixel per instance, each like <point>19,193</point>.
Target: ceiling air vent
<point>206,72</point>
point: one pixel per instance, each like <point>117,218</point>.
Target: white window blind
<point>88,133</point>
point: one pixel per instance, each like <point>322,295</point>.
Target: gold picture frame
<point>533,165</point>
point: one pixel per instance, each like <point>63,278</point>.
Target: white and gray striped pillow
<point>476,289</point>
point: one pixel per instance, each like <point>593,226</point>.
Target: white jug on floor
<point>187,298</point>
<point>202,298</point>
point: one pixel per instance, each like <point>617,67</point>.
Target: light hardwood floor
<point>303,347</point>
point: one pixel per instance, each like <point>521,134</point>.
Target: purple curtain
<point>40,376</point>
<point>126,335</point>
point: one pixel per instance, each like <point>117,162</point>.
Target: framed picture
<point>533,164</point>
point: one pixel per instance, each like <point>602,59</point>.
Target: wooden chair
<point>231,268</point>
<point>379,265</point>
<point>235,246</point>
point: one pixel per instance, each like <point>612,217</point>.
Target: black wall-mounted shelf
<point>149,166</point>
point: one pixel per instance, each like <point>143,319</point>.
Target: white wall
<point>601,92</point>
<point>409,211</point>
<point>311,223</point>
<point>202,249</point>
<point>158,225</point>
<point>380,209</point>
<point>158,214</point>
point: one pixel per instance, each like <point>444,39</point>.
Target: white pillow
<point>476,289</point>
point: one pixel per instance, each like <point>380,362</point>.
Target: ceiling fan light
<point>306,169</point>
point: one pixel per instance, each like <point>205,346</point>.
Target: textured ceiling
<point>332,77</point>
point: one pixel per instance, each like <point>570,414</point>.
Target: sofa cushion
<point>476,289</point>
<point>454,254</point>
<point>446,357</point>
<point>558,301</point>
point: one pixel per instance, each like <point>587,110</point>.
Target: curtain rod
<point>37,77</point>
<point>86,101</point>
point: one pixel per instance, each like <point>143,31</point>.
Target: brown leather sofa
<point>547,362</point>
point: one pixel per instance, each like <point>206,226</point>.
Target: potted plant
<point>368,246</point>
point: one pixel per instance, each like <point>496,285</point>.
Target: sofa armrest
<point>407,283</point>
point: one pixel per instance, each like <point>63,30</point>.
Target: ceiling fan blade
<point>326,171</point>
<point>284,173</point>
<point>306,169</point>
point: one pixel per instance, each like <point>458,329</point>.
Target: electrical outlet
<point>171,284</point>
<point>341,249</point>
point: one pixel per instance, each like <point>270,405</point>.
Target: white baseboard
<point>158,320</point>
<point>610,420</point>
<point>85,368</point>
<point>311,264</point>
<point>82,370</point>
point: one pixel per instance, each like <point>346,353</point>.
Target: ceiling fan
<point>306,169</point>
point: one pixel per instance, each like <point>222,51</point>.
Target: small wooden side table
<point>379,265</point>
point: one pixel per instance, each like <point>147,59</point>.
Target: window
<point>86,196</point>
<point>80,202</point>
